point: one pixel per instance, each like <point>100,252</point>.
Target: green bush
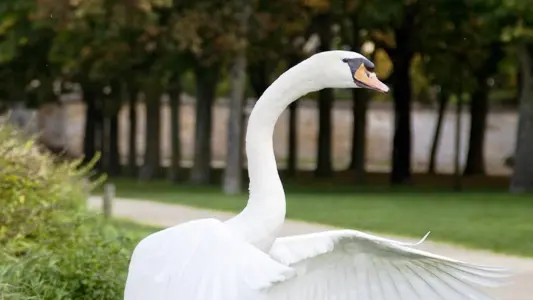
<point>51,247</point>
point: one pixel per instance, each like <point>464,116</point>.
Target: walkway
<point>165,215</point>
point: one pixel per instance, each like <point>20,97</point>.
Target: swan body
<point>243,258</point>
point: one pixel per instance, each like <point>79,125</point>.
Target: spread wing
<point>200,260</point>
<point>348,264</point>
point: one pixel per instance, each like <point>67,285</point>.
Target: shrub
<point>51,246</point>
<point>37,194</point>
<point>90,264</point>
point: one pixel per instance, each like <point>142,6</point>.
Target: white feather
<point>211,260</point>
<point>343,263</point>
<point>200,260</point>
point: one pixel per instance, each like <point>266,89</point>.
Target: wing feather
<point>171,264</point>
<point>360,280</point>
<point>407,291</point>
<point>386,272</point>
<point>348,264</point>
<point>377,289</point>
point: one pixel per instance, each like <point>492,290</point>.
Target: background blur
<point>160,91</point>
<point>96,76</point>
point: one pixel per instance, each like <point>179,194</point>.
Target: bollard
<point>109,195</point>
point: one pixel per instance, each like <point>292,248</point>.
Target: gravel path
<point>165,215</point>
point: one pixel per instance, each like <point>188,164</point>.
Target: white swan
<point>242,258</point>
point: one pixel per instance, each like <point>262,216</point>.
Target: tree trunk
<point>443,101</point>
<point>457,154</point>
<point>206,82</point>
<point>292,153</point>
<point>152,161</point>
<point>89,147</point>
<point>360,99</point>
<point>475,162</point>
<point>100,132</point>
<point>519,86</point>
<point>324,161</point>
<point>113,168</point>
<point>103,133</point>
<point>401,91</point>
<point>522,178</point>
<point>510,161</point>
<point>259,74</point>
<point>132,94</point>
<point>479,108</point>
<point>111,108</point>
<point>325,104</point>
<point>174,169</point>
<point>232,183</point>
<point>358,153</point>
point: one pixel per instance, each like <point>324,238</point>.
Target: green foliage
<point>518,17</point>
<point>90,263</point>
<point>52,248</point>
<point>33,186</point>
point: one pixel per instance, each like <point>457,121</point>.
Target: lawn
<point>138,230</point>
<point>493,220</point>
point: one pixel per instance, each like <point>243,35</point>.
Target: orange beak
<point>367,79</point>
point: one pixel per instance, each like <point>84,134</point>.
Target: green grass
<point>493,220</point>
<point>140,230</point>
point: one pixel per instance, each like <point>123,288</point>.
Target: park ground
<point>486,227</point>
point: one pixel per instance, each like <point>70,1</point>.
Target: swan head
<point>347,69</point>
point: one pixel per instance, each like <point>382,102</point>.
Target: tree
<point>448,82</point>
<point>474,38</point>
<point>174,94</point>
<point>522,178</point>
<point>482,30</point>
<point>401,44</point>
<point>479,107</point>
<point>156,64</point>
<point>443,98</point>
<point>360,97</point>
<point>322,23</point>
<point>520,33</point>
<point>462,42</point>
<point>112,103</point>
<point>175,62</point>
<point>89,47</point>
<point>131,92</point>
<point>73,50</point>
<point>403,29</point>
<point>232,183</point>
<point>207,77</point>
<point>100,43</point>
<point>205,31</point>
<point>292,143</point>
<point>26,76</point>
<point>153,92</point>
<point>280,31</point>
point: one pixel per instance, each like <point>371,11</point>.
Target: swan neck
<point>262,167</point>
<point>264,213</point>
